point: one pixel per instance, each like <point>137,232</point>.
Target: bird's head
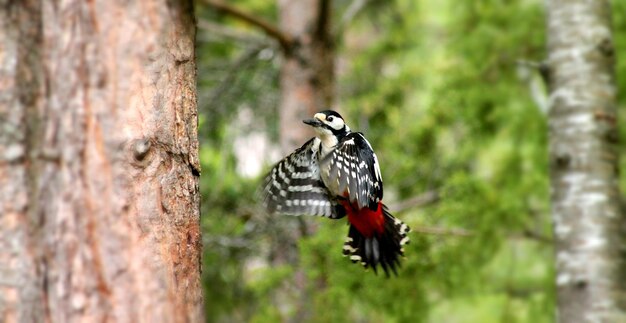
<point>328,123</point>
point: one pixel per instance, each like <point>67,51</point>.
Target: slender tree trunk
<point>307,74</point>
<point>588,223</point>
<point>307,86</point>
<point>99,205</point>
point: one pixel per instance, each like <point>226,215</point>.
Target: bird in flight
<point>336,174</point>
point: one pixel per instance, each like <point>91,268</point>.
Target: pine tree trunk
<point>588,223</point>
<point>99,205</point>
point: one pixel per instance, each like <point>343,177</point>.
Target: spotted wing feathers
<point>294,186</point>
<point>353,164</point>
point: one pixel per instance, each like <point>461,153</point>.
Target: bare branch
<point>285,40</point>
<point>538,236</point>
<point>355,7</point>
<point>423,199</point>
<point>228,242</point>
<point>542,67</point>
<point>533,235</point>
<point>239,64</point>
<point>222,31</point>
<point>527,72</point>
<point>522,291</point>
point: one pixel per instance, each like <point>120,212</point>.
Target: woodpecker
<point>336,174</point>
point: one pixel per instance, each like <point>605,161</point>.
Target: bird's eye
<point>330,119</point>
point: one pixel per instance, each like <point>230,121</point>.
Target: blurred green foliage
<point>439,90</point>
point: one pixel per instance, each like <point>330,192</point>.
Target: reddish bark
<point>100,187</point>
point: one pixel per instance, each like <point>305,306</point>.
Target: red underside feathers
<point>365,220</point>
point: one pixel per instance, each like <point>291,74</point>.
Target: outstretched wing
<point>294,186</point>
<point>354,167</point>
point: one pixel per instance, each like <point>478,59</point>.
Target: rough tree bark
<point>21,285</point>
<point>588,223</point>
<point>99,205</point>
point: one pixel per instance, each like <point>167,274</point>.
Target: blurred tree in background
<point>451,96</point>
<point>587,217</point>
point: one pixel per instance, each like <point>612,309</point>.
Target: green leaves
<point>460,122</point>
<point>434,87</point>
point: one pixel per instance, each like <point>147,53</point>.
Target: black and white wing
<point>353,166</point>
<point>294,186</point>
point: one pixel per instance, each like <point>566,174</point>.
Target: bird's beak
<point>313,122</point>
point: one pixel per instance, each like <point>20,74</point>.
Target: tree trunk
<point>99,209</point>
<point>306,87</point>
<point>584,163</point>
<point>21,285</point>
<point>307,73</point>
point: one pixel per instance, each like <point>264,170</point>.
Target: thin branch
<point>228,242</point>
<point>460,232</point>
<point>423,199</point>
<point>220,30</point>
<point>538,236</point>
<point>522,291</point>
<point>537,90</point>
<point>542,67</point>
<point>285,40</point>
<point>355,7</point>
<point>233,71</point>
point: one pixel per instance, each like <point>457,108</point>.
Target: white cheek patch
<point>337,124</point>
<point>333,122</point>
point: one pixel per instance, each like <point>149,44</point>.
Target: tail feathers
<point>384,249</point>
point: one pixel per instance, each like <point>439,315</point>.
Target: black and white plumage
<point>333,175</point>
<point>353,167</point>
<point>294,186</point>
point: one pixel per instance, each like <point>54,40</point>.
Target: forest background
<point>451,96</point>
